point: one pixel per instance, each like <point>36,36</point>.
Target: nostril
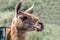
<point>38,24</point>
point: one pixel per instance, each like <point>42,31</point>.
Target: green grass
<point>6,15</point>
<point>48,11</point>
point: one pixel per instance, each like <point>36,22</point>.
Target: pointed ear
<point>29,9</point>
<point>18,7</point>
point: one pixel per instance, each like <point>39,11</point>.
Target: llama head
<point>24,21</point>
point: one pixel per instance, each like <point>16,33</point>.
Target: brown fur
<point>22,22</point>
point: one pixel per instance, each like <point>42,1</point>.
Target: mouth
<point>26,29</point>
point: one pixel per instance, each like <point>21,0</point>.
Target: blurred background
<point>48,11</point>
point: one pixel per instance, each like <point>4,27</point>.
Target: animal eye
<point>24,18</point>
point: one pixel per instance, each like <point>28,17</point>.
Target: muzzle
<point>39,27</point>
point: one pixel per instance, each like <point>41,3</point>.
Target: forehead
<point>29,15</point>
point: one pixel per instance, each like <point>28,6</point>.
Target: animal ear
<point>29,9</point>
<point>18,7</point>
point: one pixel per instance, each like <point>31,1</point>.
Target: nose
<point>41,26</point>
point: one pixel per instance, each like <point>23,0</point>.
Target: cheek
<point>19,23</point>
<point>26,25</point>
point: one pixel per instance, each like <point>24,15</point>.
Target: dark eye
<point>24,18</point>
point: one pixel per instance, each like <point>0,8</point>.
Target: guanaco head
<point>25,21</point>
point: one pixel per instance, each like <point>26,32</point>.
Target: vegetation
<point>47,10</point>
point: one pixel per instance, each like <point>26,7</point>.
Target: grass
<point>8,17</point>
<point>48,11</point>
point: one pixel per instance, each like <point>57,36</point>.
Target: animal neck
<point>16,34</point>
